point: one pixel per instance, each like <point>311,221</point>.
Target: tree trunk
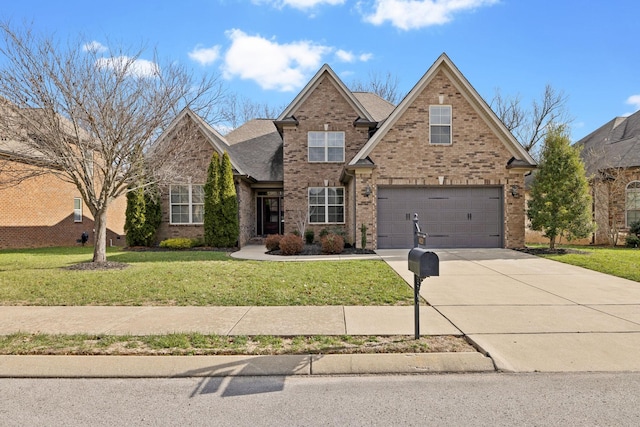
<point>100,236</point>
<point>552,242</point>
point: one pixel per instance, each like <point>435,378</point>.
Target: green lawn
<point>621,262</point>
<point>39,277</point>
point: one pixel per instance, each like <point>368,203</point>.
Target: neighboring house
<point>44,210</point>
<point>612,159</point>
<point>337,160</point>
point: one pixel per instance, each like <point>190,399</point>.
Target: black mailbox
<point>423,263</point>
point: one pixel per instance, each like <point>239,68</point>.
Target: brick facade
<point>326,105</point>
<point>39,212</point>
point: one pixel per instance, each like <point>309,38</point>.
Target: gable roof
<point>615,144</point>
<point>212,136</point>
<point>325,70</point>
<point>443,63</point>
<point>257,145</point>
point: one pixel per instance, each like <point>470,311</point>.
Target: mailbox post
<point>422,263</point>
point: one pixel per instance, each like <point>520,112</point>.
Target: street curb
<point>224,366</point>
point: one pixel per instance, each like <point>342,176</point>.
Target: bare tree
<point>238,110</point>
<point>530,125</point>
<point>385,86</point>
<point>90,114</point>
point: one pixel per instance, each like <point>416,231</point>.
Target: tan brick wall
<point>246,211</point>
<point>476,158</point>
<point>325,105</point>
<point>39,213</point>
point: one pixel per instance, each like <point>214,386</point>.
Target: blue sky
<point>266,50</point>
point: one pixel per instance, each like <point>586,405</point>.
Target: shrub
<point>634,228</point>
<point>291,244</point>
<point>332,244</point>
<point>363,237</point>
<point>309,235</point>
<point>323,233</point>
<point>272,242</point>
<point>177,243</point>
<point>632,241</point>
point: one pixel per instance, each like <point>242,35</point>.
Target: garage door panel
<point>452,217</point>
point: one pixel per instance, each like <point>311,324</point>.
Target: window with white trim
<point>77,209</point>
<point>326,205</point>
<point>187,204</point>
<point>633,202</point>
<point>440,124</point>
<point>326,147</point>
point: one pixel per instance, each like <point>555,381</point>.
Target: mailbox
<point>423,263</point>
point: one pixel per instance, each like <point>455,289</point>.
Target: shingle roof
<point>257,146</point>
<point>378,107</point>
<point>615,144</point>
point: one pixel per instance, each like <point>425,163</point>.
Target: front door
<point>270,214</point>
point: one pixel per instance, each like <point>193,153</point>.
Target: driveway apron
<point>533,314</point>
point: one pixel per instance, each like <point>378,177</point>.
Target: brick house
<point>338,160</point>
<point>612,158</point>
<point>44,210</point>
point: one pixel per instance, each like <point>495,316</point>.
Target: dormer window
<point>440,124</point>
<point>326,147</point>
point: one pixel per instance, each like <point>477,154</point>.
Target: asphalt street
<point>540,399</point>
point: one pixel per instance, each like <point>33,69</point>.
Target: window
<point>326,146</point>
<point>440,124</point>
<point>187,204</point>
<point>633,202</point>
<point>326,205</point>
<point>77,209</point>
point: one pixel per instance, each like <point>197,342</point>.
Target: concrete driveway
<point>532,314</point>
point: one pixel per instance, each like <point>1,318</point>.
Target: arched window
<point>633,202</point>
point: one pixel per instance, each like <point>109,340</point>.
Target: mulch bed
<point>548,251</point>
<point>316,249</point>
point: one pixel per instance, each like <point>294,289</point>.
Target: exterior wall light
<point>514,190</point>
<point>367,191</point>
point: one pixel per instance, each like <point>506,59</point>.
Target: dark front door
<point>270,215</point>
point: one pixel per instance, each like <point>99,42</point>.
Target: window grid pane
<point>326,205</point>
<point>440,124</point>
<point>325,146</point>
<point>187,204</point>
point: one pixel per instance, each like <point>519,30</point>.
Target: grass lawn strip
<point>193,278</point>
<point>620,262</point>
<point>199,344</point>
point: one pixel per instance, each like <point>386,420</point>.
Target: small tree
<point>212,200</point>
<point>229,227</point>
<point>560,200</point>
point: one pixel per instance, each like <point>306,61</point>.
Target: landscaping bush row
<point>293,244</point>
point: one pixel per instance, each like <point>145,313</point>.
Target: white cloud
<point>635,101</point>
<point>132,67</point>
<point>346,56</point>
<point>413,14</point>
<point>299,4</point>
<point>284,67</point>
<point>94,46</point>
<point>205,55</point>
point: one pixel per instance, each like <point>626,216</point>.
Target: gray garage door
<point>452,217</point>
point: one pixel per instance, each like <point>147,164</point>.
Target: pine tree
<point>229,205</point>
<point>560,201</point>
<point>152,214</point>
<point>212,201</point>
